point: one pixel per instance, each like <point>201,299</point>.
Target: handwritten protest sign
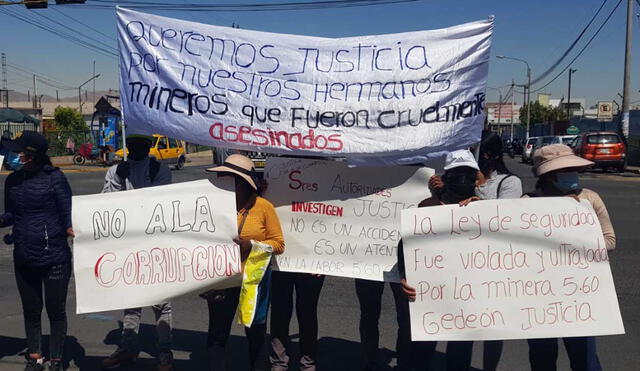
<point>342,221</point>
<point>390,94</point>
<point>527,268</point>
<point>143,247</point>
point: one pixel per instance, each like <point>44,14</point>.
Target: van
<point>605,149</point>
<point>167,150</point>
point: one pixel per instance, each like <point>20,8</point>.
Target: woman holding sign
<point>456,186</point>
<point>494,181</point>
<point>557,170</point>
<point>38,206</point>
<point>258,226</point>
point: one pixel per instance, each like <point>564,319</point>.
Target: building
<point>578,105</point>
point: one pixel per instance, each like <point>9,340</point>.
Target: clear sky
<point>536,30</point>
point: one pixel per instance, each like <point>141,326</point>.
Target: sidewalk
<point>67,165</point>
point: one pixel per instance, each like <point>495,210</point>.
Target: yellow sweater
<point>262,225</point>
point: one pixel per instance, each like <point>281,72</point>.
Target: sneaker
<point>119,358</point>
<point>165,361</point>
<point>55,365</point>
<point>34,364</point>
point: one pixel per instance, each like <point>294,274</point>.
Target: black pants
<point>411,355</point>
<point>307,290</point>
<point>55,280</point>
<point>459,355</point>
<point>543,354</point>
<point>221,314</point>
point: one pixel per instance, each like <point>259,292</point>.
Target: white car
<point>529,146</point>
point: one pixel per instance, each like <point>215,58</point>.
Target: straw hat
<point>239,165</point>
<point>555,157</point>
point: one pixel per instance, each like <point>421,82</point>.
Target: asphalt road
<point>92,337</point>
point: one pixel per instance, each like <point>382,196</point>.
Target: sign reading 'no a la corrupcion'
<point>387,94</point>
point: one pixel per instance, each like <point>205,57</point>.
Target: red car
<point>605,148</point>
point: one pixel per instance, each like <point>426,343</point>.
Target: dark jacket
<point>38,205</point>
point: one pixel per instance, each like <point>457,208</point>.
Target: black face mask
<point>487,165</point>
<point>458,187</point>
<point>138,152</point>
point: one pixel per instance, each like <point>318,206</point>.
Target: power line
<point>27,72</point>
<point>573,44</point>
<point>256,7</point>
<point>59,33</point>
<point>582,50</point>
<point>74,30</point>
<point>84,24</point>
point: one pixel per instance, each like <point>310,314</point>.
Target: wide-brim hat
<point>239,165</point>
<point>556,157</point>
<point>28,141</point>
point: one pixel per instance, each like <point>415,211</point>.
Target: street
<point>92,337</point>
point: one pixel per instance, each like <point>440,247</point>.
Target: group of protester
<point>38,206</point>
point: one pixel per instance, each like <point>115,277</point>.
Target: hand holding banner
<point>143,247</point>
<point>527,268</point>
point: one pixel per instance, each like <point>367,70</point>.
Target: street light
<point>80,92</point>
<point>527,89</point>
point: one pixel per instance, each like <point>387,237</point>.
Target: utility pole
<point>35,93</point>
<point>627,72</point>
<point>5,90</point>
<point>569,111</point>
<point>94,84</point>
<point>528,101</point>
<point>513,101</point>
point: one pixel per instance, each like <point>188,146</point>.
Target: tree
<point>69,119</point>
<point>542,114</point>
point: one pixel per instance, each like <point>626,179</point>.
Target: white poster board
<point>342,221</point>
<point>414,92</point>
<point>516,269</point>
<point>143,247</point>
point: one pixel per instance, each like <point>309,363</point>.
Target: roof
<point>14,115</point>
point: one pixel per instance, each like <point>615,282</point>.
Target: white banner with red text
<point>143,247</point>
<point>516,269</point>
<point>398,94</point>
<point>342,221</point>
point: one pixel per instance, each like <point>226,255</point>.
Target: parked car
<point>527,152</point>
<point>606,149</point>
<point>164,149</point>
<point>568,139</point>
<point>549,139</point>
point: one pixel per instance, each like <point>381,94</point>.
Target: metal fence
<point>16,127</point>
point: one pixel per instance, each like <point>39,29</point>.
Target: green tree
<point>69,119</point>
<point>542,114</point>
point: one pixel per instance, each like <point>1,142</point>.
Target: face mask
<point>458,188</point>
<point>13,160</point>
<point>137,153</point>
<point>567,182</point>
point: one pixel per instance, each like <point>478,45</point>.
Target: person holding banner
<point>258,226</point>
<point>457,185</point>
<point>494,181</point>
<point>38,206</point>
<point>557,168</point>
<point>140,171</point>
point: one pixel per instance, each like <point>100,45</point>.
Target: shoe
<point>119,358</point>
<point>34,364</point>
<point>55,365</point>
<point>165,361</point>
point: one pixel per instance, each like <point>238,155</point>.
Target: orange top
<point>262,225</point>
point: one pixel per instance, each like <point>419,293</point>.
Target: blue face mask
<point>567,182</point>
<point>13,160</point>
